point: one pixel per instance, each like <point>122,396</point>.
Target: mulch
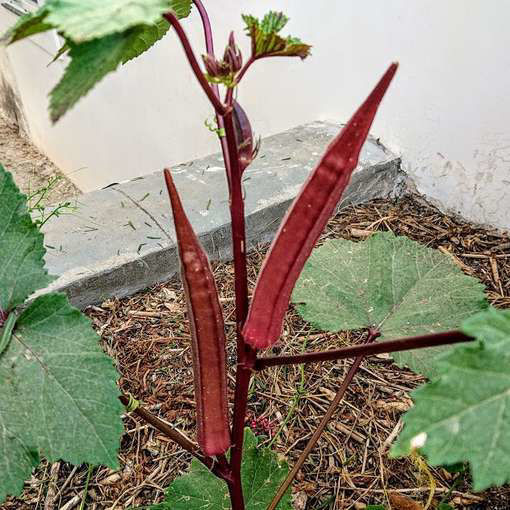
<point>148,337</point>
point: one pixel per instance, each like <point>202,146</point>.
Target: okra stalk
<point>304,222</point>
<point>207,333</point>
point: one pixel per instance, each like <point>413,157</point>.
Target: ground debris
<point>148,336</point>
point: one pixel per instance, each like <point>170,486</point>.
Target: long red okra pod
<point>207,331</point>
<point>305,220</point>
<point>244,136</point>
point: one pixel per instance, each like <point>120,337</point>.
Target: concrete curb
<point>121,239</point>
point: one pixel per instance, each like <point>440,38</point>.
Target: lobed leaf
<point>491,327</point>
<point>29,24</point>
<point>207,333</point>
<point>91,62</point>
<point>391,283</point>
<point>262,474</point>
<point>92,19</point>
<point>266,41</point>
<point>59,394</point>
<point>82,21</point>
<point>58,389</point>
<point>145,39</point>
<point>22,251</point>
<point>99,37</point>
<point>305,220</point>
<point>463,416</point>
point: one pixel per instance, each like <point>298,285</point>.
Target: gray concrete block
<point>121,239</point>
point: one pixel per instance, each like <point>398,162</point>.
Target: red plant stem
<point>238,225</point>
<point>176,436</point>
<point>209,45</point>
<point>373,334</point>
<point>245,355</point>
<point>404,344</point>
<point>219,107</point>
<point>235,491</point>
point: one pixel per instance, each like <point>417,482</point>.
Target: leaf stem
<point>209,45</point>
<point>373,334</point>
<point>188,50</point>
<point>403,344</point>
<point>206,23</point>
<point>174,434</point>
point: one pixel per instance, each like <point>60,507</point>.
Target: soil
<point>31,169</point>
<point>148,337</point>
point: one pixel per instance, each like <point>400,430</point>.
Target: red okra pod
<point>207,333</point>
<point>304,222</point>
<point>244,136</point>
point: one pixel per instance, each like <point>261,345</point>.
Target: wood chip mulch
<point>148,337</point>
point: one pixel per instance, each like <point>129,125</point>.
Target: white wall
<point>446,113</point>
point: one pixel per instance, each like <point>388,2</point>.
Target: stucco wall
<point>10,100</point>
<point>446,113</point>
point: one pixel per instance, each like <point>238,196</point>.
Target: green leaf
<point>392,283</point>
<point>22,250</point>
<point>145,39</point>
<point>90,62</point>
<point>463,416</point>
<point>91,19</point>
<point>58,389</point>
<point>99,37</point>
<point>28,25</point>
<point>491,327</point>
<point>64,49</point>
<point>266,41</point>
<point>59,394</point>
<point>262,474</point>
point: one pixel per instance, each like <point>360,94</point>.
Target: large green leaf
<point>99,36</point>
<point>90,62</point>
<point>84,20</point>
<point>464,415</point>
<point>28,25</point>
<point>145,39</point>
<point>21,248</point>
<point>262,474</point>
<point>393,283</point>
<point>58,393</point>
<point>492,327</point>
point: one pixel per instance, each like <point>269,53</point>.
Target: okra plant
<point>406,296</point>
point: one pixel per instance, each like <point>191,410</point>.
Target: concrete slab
<point>121,239</point>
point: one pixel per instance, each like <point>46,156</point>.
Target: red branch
<point>193,62</point>
<point>403,344</point>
